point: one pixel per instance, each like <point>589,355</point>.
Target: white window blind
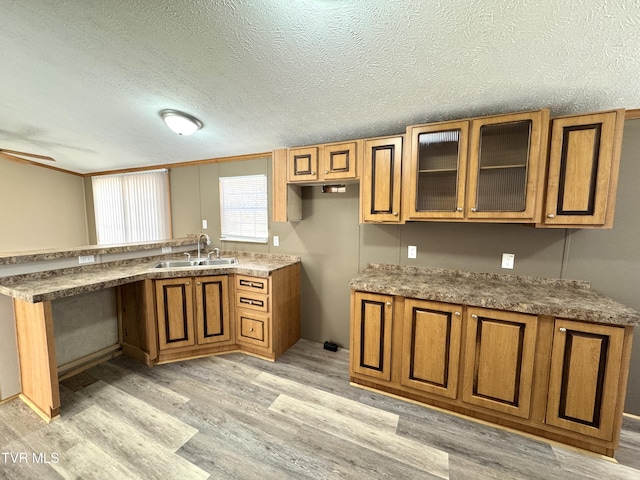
<point>132,207</point>
<point>244,208</point>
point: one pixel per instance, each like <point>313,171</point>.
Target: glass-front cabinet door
<point>505,165</point>
<point>437,171</point>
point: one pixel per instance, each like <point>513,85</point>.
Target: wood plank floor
<point>239,417</point>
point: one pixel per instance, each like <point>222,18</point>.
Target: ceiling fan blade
<point>22,155</point>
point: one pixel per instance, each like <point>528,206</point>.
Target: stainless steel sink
<point>176,264</point>
<point>219,261</point>
<point>198,262</point>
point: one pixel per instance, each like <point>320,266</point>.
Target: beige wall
<point>195,196</point>
<point>41,208</point>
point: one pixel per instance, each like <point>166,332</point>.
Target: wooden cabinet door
<point>174,306</point>
<point>499,358</point>
<point>583,169</point>
<point>585,371</point>
<point>380,185</point>
<point>431,346</point>
<point>371,329</point>
<point>506,156</point>
<point>303,164</point>
<point>212,310</point>
<point>437,171</point>
<point>339,161</point>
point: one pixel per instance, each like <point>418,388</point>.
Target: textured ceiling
<point>83,80</point>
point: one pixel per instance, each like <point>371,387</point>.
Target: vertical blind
<point>132,207</point>
<point>244,208</point>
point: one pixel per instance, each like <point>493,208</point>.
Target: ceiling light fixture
<point>180,122</point>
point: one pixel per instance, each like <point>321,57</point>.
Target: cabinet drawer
<point>252,284</point>
<point>252,301</point>
<point>253,328</point>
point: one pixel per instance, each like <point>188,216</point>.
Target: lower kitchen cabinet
<point>586,362</point>
<point>253,312</point>
<point>431,336</point>
<point>499,355</point>
<point>180,318</point>
<point>193,311</point>
<point>371,327</point>
<point>560,379</point>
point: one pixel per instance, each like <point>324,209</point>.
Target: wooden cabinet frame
<point>431,346</point>
<point>584,163</point>
<point>371,331</point>
<point>499,360</point>
<point>411,172</point>
<point>380,189</point>
<point>534,172</point>
<point>585,372</point>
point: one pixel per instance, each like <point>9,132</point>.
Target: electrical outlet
<point>167,249</point>
<point>204,224</point>
<point>508,259</point>
<point>412,251</point>
<point>276,241</point>
<point>86,259</point>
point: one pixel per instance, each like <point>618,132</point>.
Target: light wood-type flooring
<point>236,416</point>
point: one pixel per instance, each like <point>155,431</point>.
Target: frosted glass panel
<point>438,154</point>
<point>502,174</point>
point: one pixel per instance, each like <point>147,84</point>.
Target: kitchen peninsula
<point>548,357</point>
<point>163,314</point>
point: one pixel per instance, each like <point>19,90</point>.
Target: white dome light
<point>181,123</point>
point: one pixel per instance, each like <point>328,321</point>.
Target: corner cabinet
<point>561,379</point>
<point>173,319</point>
<point>380,189</point>
<point>584,162</point>
<point>193,311</point>
<point>488,168</point>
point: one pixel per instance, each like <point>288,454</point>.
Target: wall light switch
<point>167,249</point>
<point>412,251</point>
<point>276,241</point>
<point>508,260</point>
<point>204,224</point>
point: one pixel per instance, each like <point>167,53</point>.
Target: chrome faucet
<point>216,251</point>
<point>208,240</point>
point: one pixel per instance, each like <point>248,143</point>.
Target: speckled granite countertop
<point>11,258</point>
<point>43,286</point>
<point>539,296</point>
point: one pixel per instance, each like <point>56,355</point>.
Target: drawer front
<point>252,301</point>
<point>253,328</point>
<point>252,284</point>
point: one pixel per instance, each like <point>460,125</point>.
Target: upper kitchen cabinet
<point>332,161</point>
<point>583,170</point>
<point>436,173</point>
<point>506,166</point>
<point>340,161</point>
<point>487,168</point>
<point>381,179</point>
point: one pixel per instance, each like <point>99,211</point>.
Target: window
<point>132,207</point>
<point>244,208</point>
